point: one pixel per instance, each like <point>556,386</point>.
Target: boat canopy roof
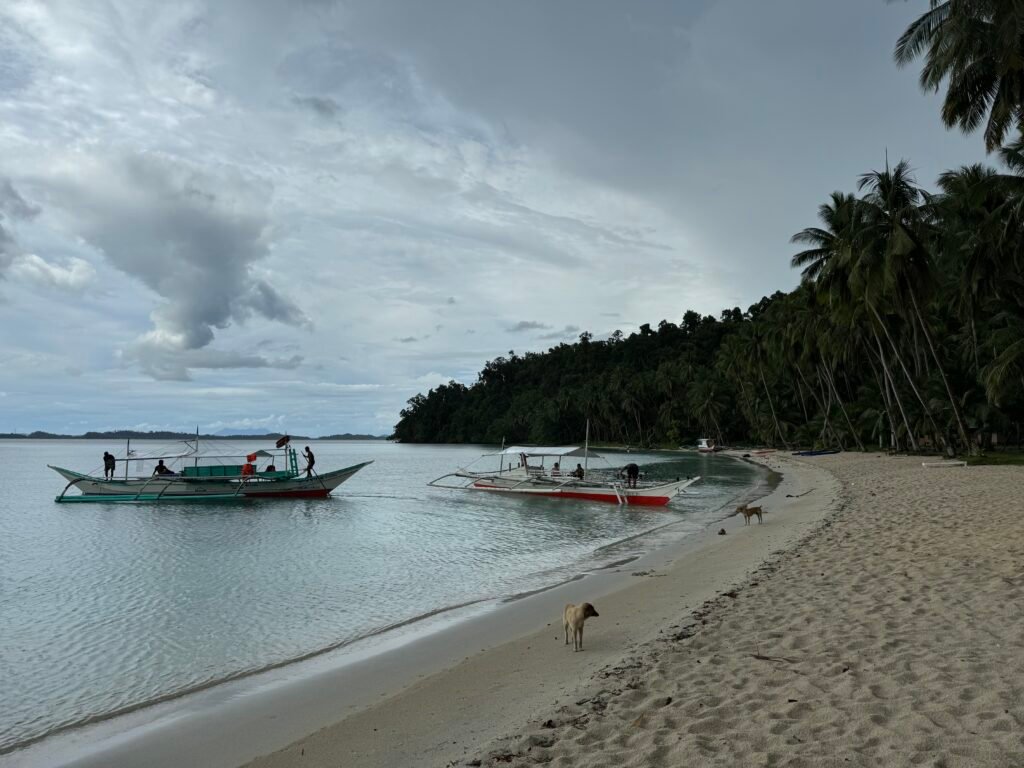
<point>533,450</point>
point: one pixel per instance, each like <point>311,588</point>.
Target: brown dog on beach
<point>573,617</point>
<point>748,512</point>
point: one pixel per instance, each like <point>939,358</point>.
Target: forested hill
<point>907,329</point>
<point>631,388</point>
<point>791,370</point>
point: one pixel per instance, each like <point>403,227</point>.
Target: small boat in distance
<point>707,445</point>
<point>546,476</point>
<point>189,475</point>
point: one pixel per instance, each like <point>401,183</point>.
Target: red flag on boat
<point>251,458</point>
<point>282,441</point>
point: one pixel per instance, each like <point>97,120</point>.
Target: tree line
<point>906,330</point>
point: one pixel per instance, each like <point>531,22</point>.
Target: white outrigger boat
<point>191,476</point>
<point>707,445</point>
<point>516,474</point>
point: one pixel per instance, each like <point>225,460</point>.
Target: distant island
<point>127,434</point>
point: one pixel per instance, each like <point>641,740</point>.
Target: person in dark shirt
<point>310,461</point>
<point>109,464</point>
<point>161,469</point>
<point>632,473</point>
<point>578,472</point>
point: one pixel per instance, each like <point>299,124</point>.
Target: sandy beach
<point>451,717</point>
<point>871,620</point>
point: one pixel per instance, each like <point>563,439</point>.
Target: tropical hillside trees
<point>906,330</point>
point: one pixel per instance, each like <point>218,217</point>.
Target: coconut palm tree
<point>975,47</point>
<point>896,233</point>
<point>848,271</point>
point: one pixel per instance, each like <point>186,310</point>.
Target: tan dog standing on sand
<point>573,617</point>
<point>748,512</point>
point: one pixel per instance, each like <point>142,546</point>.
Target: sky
<point>249,214</point>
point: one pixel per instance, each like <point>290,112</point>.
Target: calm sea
<point>108,607</point>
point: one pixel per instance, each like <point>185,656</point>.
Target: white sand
<point>892,636</point>
<point>451,716</point>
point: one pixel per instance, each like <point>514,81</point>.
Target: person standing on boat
<point>632,473</point>
<point>109,464</point>
<point>310,461</point>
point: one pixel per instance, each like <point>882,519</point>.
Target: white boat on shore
<point>190,475</point>
<point>707,445</point>
<point>538,471</point>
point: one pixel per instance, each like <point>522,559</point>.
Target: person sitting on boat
<point>578,472</point>
<point>555,471</point>
<point>109,464</point>
<point>310,461</point>
<point>270,468</point>
<point>162,469</point>
<point>632,472</point>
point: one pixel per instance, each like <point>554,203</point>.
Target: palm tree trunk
<point>821,405</point>
<point>895,393</point>
<point>800,392</point>
<point>903,367</point>
<point>771,405</point>
<point>839,400</point>
<point>974,345</point>
<point>883,390</point>
<point>971,449</point>
<point>827,395</point>
<point>718,429</point>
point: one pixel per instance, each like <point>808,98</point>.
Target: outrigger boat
<point>191,476</point>
<point>556,481</point>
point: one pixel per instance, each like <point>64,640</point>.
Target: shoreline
<point>451,714</point>
<point>115,738</point>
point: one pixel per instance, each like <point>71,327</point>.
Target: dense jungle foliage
<point>906,331</point>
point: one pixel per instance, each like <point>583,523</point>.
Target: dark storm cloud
<point>193,238</point>
<point>326,108</point>
<point>528,325</point>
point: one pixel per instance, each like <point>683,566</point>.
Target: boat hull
<point>657,496</point>
<point>177,488</point>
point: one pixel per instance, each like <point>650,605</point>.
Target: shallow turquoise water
<point>105,607</point>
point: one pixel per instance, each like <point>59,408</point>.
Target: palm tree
<point>754,336</point>
<point>1005,374</point>
<point>847,272</point>
<point>972,209</point>
<point>904,264</point>
<point>976,47</point>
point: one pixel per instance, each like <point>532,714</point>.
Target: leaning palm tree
<point>897,234</point>
<point>976,47</point>
<point>846,267</point>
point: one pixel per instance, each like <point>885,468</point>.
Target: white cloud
<point>75,275</point>
<point>308,187</point>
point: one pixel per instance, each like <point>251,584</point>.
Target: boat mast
<point>586,448</point>
<point>196,460</point>
<point>127,455</point>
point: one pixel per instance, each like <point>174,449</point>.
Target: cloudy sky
<point>296,215</point>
